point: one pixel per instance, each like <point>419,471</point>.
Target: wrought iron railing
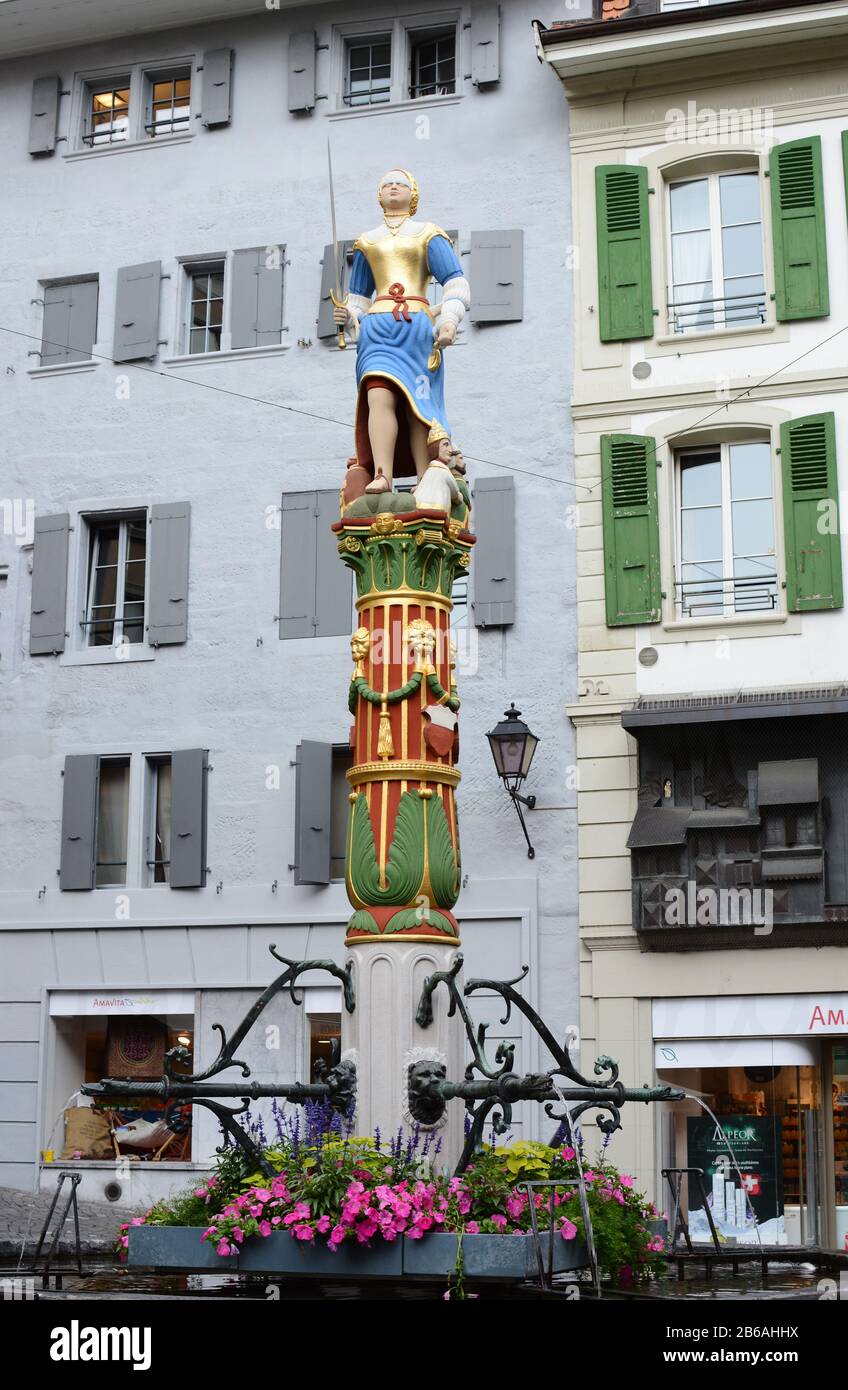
<point>715,597</point>
<point>731,311</point>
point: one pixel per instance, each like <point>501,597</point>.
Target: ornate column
<point>403,860</point>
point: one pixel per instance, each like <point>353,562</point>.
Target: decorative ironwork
<point>500,1087</point>
<point>490,1088</point>
<point>177,1089</point>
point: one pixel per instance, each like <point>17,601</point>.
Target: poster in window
<point>747,1209</point>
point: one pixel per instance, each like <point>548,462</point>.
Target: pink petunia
<point>567,1230</point>
<point>498,1220</point>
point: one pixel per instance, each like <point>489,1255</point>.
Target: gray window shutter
<point>44,114</point>
<point>298,563</point>
<point>137,312</point>
<point>316,589</point>
<point>56,325</point>
<point>256,298</point>
<point>215,91</point>
<point>189,768</point>
<point>302,71</point>
<point>83,335</point>
<point>79,809</point>
<point>497,276</point>
<point>49,584</point>
<point>167,619</point>
<point>333,580</point>
<point>485,44</point>
<point>312,812</point>
<point>326,326</point>
<point>493,561</point>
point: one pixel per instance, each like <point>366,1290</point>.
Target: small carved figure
<point>438,489</point>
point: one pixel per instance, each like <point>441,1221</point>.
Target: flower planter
<point>182,1247</point>
<point>174,1247</point>
<point>280,1254</point>
<point>490,1256</point>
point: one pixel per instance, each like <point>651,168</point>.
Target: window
<point>205,307</point>
<point>69,321</point>
<point>135,106</point>
<point>159,820</point>
<point>339,808</point>
<point>325,1041</point>
<point>726,546</point>
<point>110,859</point>
<point>107,112</point>
<point>368,69</point>
<point>432,63</point>
<point>716,252</point>
<point>117,564</point>
<point>168,104</point>
<point>94,1035</point>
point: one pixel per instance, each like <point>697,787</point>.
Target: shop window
<point>88,1047</point>
<point>325,1036</point>
<point>770,1114</point>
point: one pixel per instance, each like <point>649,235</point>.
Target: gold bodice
<point>399,260</point>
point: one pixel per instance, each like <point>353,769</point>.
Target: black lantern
<point>513,746</point>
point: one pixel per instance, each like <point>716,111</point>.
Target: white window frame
<point>729,611</point>
<point>712,177</point>
<point>201,265</point>
<point>401,32</point>
<point>137,76</point>
<point>152,762</point>
<point>93,525</point>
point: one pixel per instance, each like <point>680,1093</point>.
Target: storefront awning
<point>667,825</point>
<point>651,712</point>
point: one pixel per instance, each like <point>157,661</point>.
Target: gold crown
<point>437,433</point>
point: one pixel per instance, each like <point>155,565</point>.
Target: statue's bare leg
<point>382,435</point>
<point>418,443</point>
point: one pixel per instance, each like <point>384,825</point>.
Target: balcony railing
<point>733,311</point>
<point>703,598</point>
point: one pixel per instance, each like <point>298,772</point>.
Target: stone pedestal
<point>402,866</point>
<point>385,1041</point>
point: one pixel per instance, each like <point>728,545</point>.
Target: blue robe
<point>400,350</point>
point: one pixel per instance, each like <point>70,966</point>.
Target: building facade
<point>174,621</point>
<point>708,191</point>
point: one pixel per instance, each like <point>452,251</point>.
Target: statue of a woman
<point>399,368</point>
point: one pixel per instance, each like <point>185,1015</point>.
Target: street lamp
<point>513,746</point>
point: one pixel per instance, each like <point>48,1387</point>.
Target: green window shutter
<point>811,513</point>
<point>797,211</point>
<point>631,529</point>
<point>624,252</point>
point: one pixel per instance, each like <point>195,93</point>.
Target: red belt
<point>401,299</point>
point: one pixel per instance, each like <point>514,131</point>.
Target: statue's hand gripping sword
<point>339,300</point>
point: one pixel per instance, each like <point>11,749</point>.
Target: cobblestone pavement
<point>22,1217</point>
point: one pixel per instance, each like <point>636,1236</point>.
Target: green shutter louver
<point>624,253</point>
<point>800,247</point>
<point>631,529</point>
<point>811,513</point>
